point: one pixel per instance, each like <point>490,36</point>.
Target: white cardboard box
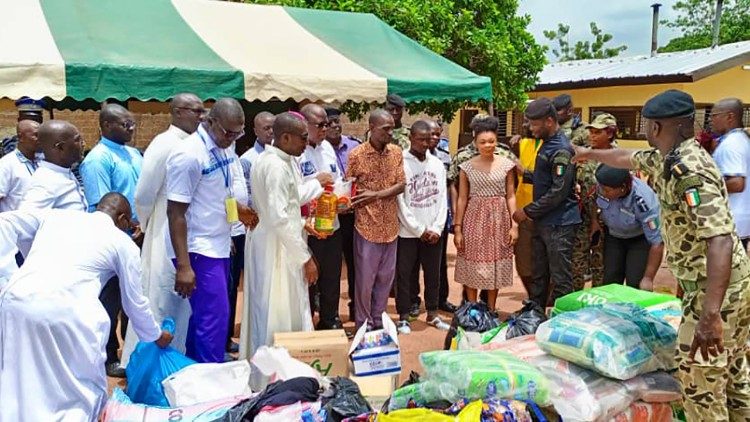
<point>376,352</point>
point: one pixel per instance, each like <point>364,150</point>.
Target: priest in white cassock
<point>53,328</point>
<point>187,112</point>
<point>281,266</point>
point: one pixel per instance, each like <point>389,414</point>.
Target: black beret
<point>395,99</point>
<point>671,103</point>
<point>539,109</point>
<point>610,176</point>
<point>562,101</point>
<point>332,112</point>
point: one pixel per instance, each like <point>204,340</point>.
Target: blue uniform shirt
<point>633,215</point>
<point>111,167</point>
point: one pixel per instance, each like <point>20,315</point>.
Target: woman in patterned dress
<point>484,231</point>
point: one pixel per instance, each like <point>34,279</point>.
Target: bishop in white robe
<point>53,328</point>
<point>281,266</point>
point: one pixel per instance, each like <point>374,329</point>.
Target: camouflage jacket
<point>468,152</point>
<point>578,135</point>
<point>401,138</point>
<point>586,180</point>
<point>694,208</point>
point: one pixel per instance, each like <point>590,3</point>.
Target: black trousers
<point>413,253</point>
<point>346,229</point>
<point>112,302</point>
<point>328,254</point>
<point>444,290</point>
<point>553,254</point>
<point>236,265</point>
<point>625,259</point>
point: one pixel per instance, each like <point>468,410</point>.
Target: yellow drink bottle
<point>325,211</point>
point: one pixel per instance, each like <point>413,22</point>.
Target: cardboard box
<point>376,352</point>
<point>323,350</point>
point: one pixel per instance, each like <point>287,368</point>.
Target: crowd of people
<point>124,238</point>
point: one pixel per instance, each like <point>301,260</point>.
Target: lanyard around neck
<point>222,164</point>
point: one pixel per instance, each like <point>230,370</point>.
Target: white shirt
<point>246,161</point>
<point>15,176</point>
<point>423,205</point>
<point>239,188</point>
<point>316,160</point>
<point>732,156</point>
<point>53,186</point>
<point>199,173</point>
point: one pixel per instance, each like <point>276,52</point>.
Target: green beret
<point>668,104</point>
<point>395,99</point>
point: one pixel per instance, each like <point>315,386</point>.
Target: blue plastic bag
<point>150,365</point>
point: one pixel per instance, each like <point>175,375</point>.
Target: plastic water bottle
<point>168,325</point>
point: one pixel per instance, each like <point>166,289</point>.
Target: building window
<point>629,122</point>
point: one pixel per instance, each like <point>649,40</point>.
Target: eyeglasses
<point>127,125</point>
<point>322,125</point>
<point>718,113</point>
<point>198,111</point>
<point>230,134</point>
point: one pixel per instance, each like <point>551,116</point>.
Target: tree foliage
<point>695,21</point>
<point>485,37</point>
<point>582,50</point>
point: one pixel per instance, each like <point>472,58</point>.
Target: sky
<point>629,21</point>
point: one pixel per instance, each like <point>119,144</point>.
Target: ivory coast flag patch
<point>692,197</point>
<point>653,224</point>
<point>559,170</point>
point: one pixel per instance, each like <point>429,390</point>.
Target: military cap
<point>562,101</point>
<point>602,121</point>
<point>332,112</point>
<point>610,176</point>
<point>395,99</point>
<point>671,103</point>
<point>29,105</point>
<point>540,108</point>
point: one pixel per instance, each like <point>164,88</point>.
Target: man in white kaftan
<point>281,266</point>
<point>53,328</point>
<point>151,206</point>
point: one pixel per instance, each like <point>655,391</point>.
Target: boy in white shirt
<point>422,211</point>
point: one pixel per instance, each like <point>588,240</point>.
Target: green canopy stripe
<point>413,71</point>
<point>135,49</point>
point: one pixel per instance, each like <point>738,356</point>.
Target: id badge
<point>231,206</point>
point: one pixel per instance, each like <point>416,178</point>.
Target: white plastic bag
<point>202,382</point>
<point>278,365</point>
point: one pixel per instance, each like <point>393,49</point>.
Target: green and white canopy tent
<point>153,49</point>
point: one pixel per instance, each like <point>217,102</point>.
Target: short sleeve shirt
<point>732,156</point>
<point>694,208</point>
<point>373,170</point>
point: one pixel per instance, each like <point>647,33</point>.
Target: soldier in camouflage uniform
<point>395,105</point>
<point>704,254</point>
<point>588,250</point>
<point>571,124</point>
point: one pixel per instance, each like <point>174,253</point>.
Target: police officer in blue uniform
<point>633,247</point>
<point>554,208</point>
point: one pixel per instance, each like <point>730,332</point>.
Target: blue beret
<point>27,104</point>
<point>610,176</point>
<point>671,103</point>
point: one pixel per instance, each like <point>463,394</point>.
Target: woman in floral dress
<point>484,231</point>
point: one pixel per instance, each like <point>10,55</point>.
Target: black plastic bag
<point>526,321</point>
<point>346,400</point>
<point>473,317</point>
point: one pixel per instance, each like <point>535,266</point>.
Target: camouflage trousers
<point>717,389</point>
<point>587,259</point>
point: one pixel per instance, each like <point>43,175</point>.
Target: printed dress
<point>487,260</point>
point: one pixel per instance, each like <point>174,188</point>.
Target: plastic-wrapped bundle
<point>655,387</point>
<point>616,340</point>
<point>580,395</point>
<point>612,293</point>
<point>474,375</point>
<point>645,412</point>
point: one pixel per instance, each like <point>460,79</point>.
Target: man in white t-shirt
<point>422,211</point>
<point>732,156</point>
<point>17,167</point>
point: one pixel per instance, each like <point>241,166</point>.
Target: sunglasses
<point>229,134</point>
<point>198,111</point>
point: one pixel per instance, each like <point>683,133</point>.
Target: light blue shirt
<point>111,167</point>
<point>633,215</point>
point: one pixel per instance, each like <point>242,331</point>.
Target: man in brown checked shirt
<point>377,166</point>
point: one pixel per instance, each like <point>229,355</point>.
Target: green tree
<point>695,21</point>
<point>485,37</point>
<point>582,50</point>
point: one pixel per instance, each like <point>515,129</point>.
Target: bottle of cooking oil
<point>325,211</point>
